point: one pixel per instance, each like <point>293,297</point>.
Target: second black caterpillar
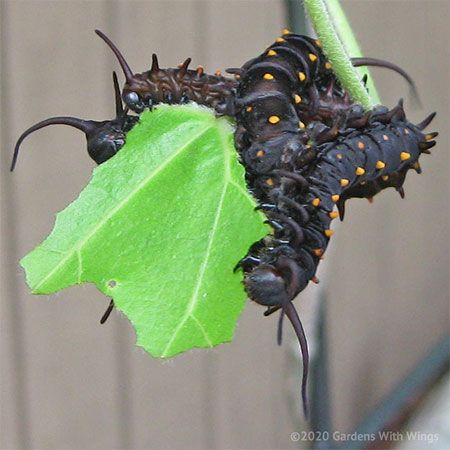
<point>306,149</point>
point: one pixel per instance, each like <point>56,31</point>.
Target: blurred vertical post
<point>295,16</point>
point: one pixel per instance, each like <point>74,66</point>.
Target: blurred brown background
<point>66,381</point>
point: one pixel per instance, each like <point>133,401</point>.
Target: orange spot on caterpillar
<point>333,214</point>
<point>380,165</point>
<point>315,201</point>
<point>274,120</point>
<point>360,171</point>
<point>328,233</point>
<point>344,182</point>
<point>404,156</point>
<point>268,76</point>
<point>335,198</point>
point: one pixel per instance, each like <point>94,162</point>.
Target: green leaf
<point>159,229</point>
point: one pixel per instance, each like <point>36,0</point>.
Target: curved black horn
<point>292,315</point>
<point>125,67</point>
<point>375,62</point>
<point>86,126</point>
<point>425,122</point>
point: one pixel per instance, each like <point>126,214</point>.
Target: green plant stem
<point>348,39</point>
<point>335,51</point>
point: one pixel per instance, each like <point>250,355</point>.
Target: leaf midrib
<point>227,181</point>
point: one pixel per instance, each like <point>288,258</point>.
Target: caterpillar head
<point>266,287</point>
<point>135,97</point>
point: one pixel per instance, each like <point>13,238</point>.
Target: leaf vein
<point>202,329</point>
<point>194,298</point>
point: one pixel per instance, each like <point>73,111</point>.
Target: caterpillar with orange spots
<point>307,148</point>
<point>304,75</point>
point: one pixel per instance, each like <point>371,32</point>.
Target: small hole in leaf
<point>112,283</point>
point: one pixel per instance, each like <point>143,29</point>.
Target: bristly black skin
<point>306,149</point>
<point>173,86</point>
<point>104,138</point>
<point>298,63</point>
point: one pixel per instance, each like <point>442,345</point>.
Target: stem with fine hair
<point>348,76</point>
<point>348,39</point>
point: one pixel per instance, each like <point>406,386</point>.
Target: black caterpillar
<point>305,145</point>
<point>299,192</point>
<point>304,156</point>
